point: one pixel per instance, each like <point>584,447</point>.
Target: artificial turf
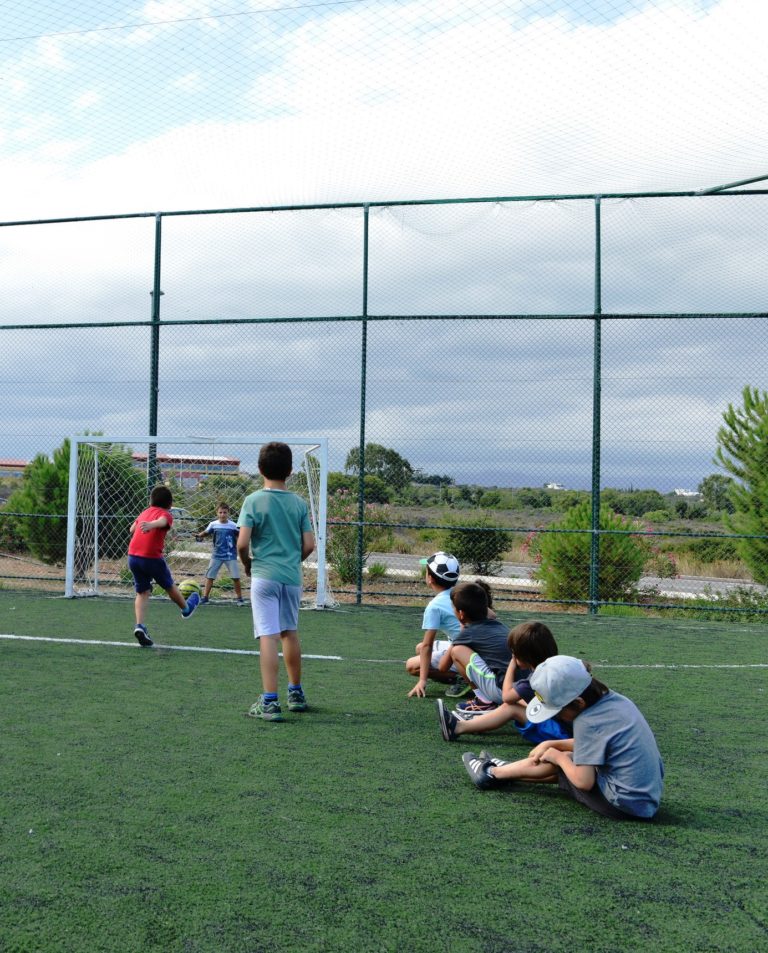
<point>142,811</point>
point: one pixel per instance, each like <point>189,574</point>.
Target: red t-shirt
<point>151,544</point>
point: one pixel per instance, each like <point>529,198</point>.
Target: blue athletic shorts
<point>145,570</point>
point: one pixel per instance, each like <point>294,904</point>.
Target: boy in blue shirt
<point>442,574</point>
<point>224,533</point>
<point>275,538</point>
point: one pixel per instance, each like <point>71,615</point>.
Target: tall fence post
<point>363,382</point>
<point>153,473</point>
<point>594,549</point>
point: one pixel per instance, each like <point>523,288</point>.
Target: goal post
<point>110,479</point>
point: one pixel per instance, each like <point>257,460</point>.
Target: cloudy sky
<point>112,108</point>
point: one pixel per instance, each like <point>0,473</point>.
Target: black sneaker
<point>142,635</point>
<point>297,700</point>
<point>459,689</point>
<point>447,721</point>
<point>496,762</point>
<point>479,770</point>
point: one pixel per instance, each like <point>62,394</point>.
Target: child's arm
<point>508,691</point>
<point>244,548</point>
<point>159,523</point>
<point>425,661</point>
<point>307,545</point>
<point>581,776</point>
<point>562,744</point>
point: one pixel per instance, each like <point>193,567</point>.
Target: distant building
<point>554,486</point>
<point>189,470</point>
<point>13,468</point>
<point>679,492</point>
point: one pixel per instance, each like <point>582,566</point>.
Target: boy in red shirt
<point>146,561</point>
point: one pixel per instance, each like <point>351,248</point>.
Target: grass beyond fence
<point>141,810</point>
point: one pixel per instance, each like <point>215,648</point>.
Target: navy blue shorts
<point>145,570</point>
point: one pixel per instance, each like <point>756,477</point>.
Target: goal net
<point>110,480</point>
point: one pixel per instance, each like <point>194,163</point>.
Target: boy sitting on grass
<point>611,765</point>
<point>530,643</point>
<point>442,574</point>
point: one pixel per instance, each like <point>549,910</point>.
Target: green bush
<point>710,550</point>
<point>657,516</point>
<point>564,557</point>
<point>343,535</point>
<point>477,543</point>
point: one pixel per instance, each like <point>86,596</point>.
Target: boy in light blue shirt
<point>442,574</point>
<point>275,538</point>
<point>225,534</point>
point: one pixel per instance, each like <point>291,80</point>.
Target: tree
<point>44,491</point>
<point>743,453</point>
<point>382,462</point>
<point>564,557</point>
<point>715,491</point>
<point>478,544</point>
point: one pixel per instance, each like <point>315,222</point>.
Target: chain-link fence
<point>537,384</point>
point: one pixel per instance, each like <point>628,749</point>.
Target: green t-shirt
<point>278,519</point>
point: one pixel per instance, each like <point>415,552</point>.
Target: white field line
<point>340,658</point>
<point>157,645</point>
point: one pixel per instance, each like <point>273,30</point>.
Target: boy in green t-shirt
<point>275,537</point>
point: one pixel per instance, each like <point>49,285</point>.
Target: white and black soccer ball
<point>444,566</point>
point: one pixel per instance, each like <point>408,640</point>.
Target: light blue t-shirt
<point>613,736</point>
<point>224,539</point>
<point>439,614</point>
<point>278,519</point>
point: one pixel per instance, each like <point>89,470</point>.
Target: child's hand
<point>539,751</point>
<point>419,690</point>
<point>145,526</point>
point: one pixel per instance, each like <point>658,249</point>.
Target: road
<point>519,575</point>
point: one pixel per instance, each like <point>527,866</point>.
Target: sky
<point>114,108</point>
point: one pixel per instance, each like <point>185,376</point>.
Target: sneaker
<point>459,689</point>
<point>241,602</point>
<point>142,635</point>
<point>474,707</point>
<point>269,711</point>
<point>192,603</point>
<point>479,770</point>
<point>296,700</point>
<point>496,762</point>
<point>447,721</point>
<point>204,601</point>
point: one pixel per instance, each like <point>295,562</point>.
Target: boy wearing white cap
<point>611,765</point>
<point>441,575</point>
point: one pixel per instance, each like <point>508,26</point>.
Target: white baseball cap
<point>557,682</point>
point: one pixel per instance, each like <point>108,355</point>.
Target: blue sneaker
<point>192,603</point>
<point>142,635</point>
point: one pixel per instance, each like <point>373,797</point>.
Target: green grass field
<point>141,811</point>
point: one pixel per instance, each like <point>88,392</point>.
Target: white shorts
<point>439,648</point>
<point>275,607</point>
<point>216,563</point>
<point>484,679</point>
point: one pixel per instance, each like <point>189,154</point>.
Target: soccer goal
<point>109,483</point>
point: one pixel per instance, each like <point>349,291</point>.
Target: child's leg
<point>177,597</point>
<point>292,655</point>
<point>238,588</point>
<point>488,721</point>
<point>208,587</point>
<point>526,770</point>
<point>140,605</point>
<point>269,659</point>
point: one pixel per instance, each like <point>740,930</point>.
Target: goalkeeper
<point>224,533</point>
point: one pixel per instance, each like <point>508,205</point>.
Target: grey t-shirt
<point>613,736</point>
<point>489,639</point>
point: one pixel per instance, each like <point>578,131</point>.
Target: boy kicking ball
<point>147,563</point>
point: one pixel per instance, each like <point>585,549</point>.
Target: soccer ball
<point>187,587</point>
<point>444,566</point>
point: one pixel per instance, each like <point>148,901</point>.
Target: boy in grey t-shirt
<point>611,765</point>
